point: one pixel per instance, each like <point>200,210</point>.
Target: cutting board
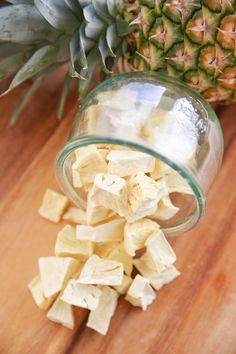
<point>196,314</point>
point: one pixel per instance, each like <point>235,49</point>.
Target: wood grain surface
<point>196,314</point>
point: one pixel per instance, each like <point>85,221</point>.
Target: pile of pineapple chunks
<point>96,251</point>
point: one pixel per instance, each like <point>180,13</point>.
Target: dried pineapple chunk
<point>119,254</point>
<point>75,215</point>
<point>100,318</point>
<point>176,183</point>
<point>88,163</point>
<point>82,295</point>
<point>108,232</point>
<point>110,191</point>
<point>68,246</point>
<point>55,273</point>
<point>53,205</point>
<point>100,271</point>
<point>165,209</point>
<point>160,250</point>
<point>61,312</point>
<point>125,163</point>
<point>123,288</point>
<point>115,251</point>
<point>36,289</point>
<point>96,213</point>
<point>156,279</point>
<point>140,293</point>
<point>136,234</point>
<point>143,195</point>
<point>76,180</point>
<point>161,170</point>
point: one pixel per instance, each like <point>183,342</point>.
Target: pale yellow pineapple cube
<point>140,293</point>
<point>55,273</point>
<point>110,191</point>
<point>101,271</point>
<point>67,245</point>
<point>99,319</point>
<point>75,216</point>
<point>109,232</point>
<point>123,288</point>
<point>81,295</point>
<point>36,289</point>
<point>136,234</point>
<point>61,312</point>
<point>53,205</point>
<point>143,195</point>
<point>125,163</point>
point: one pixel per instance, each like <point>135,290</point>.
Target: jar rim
<point>77,143</point>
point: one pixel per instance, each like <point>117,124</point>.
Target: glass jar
<point>156,115</point>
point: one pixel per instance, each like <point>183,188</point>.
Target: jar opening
<point>191,206</point>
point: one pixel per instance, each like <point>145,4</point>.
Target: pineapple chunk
<point>35,287</point>
<point>68,246</point>
<point>136,234</point>
<point>108,232</point>
<point>82,295</point>
<point>176,183</point>
<point>75,215</point>
<point>110,191</point>
<point>161,170</point>
<point>89,162</point>
<point>115,251</point>
<point>55,273</point>
<point>143,195</point>
<point>156,279</point>
<point>123,288</point>
<point>53,205</point>
<point>100,318</point>
<point>100,271</point>
<point>125,163</point>
<point>62,312</point>
<point>119,254</point>
<point>103,151</point>
<point>96,213</point>
<point>165,209</point>
<point>140,293</point>
<point>76,180</point>
<point>159,250</point>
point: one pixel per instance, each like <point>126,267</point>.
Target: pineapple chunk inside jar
<point>117,181</point>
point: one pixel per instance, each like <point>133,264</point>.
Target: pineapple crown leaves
<point>86,33</point>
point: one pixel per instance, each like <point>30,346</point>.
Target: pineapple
<point>191,40</point>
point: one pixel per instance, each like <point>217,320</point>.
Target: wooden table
<point>194,315</point>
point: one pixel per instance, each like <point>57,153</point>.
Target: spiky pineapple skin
<point>191,40</point>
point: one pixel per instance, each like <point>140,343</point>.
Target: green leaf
<point>74,6</point>
<point>102,11</point>
<point>9,65</point>
<point>94,60</point>
<point>112,39</point>
<point>94,25</point>
<point>63,96</point>
<point>112,8</point>
<point>23,102</point>
<point>24,24</point>
<point>57,14</point>
<point>40,60</point>
<point>105,52</point>
<point>74,54</point>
